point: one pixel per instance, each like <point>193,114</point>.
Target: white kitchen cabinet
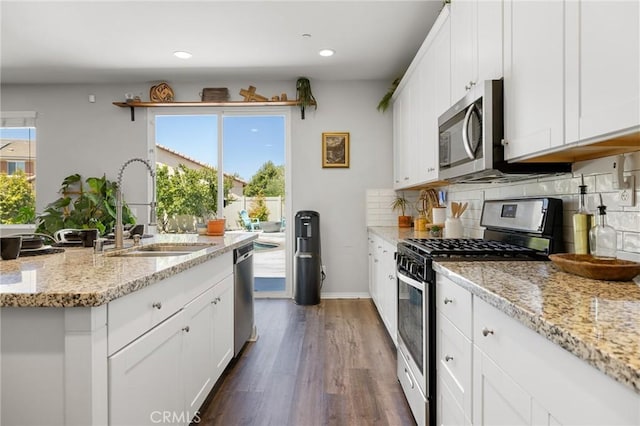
<point>198,350</point>
<point>145,378</point>
<point>603,68</point>
<point>476,44</point>
<point>533,76</point>
<point>498,400</point>
<point>383,284</point>
<point>454,352</point>
<point>222,326</point>
<point>423,94</point>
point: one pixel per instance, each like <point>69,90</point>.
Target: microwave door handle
<point>465,133</point>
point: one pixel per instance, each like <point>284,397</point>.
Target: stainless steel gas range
<point>515,229</point>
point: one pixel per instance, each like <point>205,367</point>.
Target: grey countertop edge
<point>606,363</point>
<point>94,299</point>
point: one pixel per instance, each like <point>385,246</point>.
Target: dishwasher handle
<point>243,253</point>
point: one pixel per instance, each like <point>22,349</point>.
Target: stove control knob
<point>412,268</point>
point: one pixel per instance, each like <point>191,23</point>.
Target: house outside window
<point>17,168</point>
<point>14,166</point>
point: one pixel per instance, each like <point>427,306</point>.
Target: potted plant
<point>304,95</point>
<point>386,99</point>
<point>400,203</point>
<point>83,207</point>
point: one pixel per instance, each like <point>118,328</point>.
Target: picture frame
<point>335,150</point>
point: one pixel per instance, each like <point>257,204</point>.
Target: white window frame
<point>221,112</point>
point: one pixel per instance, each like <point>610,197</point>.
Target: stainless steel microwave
<point>470,140</point>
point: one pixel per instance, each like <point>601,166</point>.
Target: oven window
<point>410,320</point>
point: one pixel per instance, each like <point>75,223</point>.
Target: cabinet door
<point>463,53</point>
<point>489,40</point>
<point>222,326</point>
<point>533,76</point>
<point>497,399</point>
<point>400,108</point>
<point>449,413</point>
<point>371,254</point>
<point>145,377</point>
<point>603,68</point>
<point>390,290</point>
<point>198,350</point>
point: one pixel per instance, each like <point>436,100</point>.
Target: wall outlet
<point>626,196</point>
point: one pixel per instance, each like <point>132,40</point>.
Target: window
<point>17,168</point>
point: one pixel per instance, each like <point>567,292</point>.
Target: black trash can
<point>308,274</point>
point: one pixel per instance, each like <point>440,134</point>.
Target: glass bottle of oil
<point>602,237</point>
<point>582,223</point>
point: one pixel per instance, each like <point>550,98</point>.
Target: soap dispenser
<point>582,223</point>
<point>602,237</point>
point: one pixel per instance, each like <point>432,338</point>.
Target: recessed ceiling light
<point>182,54</point>
<point>326,52</point>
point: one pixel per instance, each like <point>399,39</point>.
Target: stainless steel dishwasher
<point>243,306</point>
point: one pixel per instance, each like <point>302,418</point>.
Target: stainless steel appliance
<point>516,229</point>
<point>470,141</point>
<point>243,298</point>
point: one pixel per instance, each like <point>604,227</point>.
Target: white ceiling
<point>133,41</point>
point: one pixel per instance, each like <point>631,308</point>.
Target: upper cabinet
<point>603,68</point>
<point>422,95</point>
<point>533,76</point>
<point>476,44</point>
<point>571,79</point>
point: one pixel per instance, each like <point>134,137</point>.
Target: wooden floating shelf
<point>134,105</point>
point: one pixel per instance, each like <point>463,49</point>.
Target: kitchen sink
<point>161,250</point>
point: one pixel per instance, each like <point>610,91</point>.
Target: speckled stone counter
<point>393,234</point>
<point>598,321</point>
<point>78,277</point>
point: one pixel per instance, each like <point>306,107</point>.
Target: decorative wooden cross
<point>250,95</point>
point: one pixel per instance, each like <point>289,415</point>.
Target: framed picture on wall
<point>335,149</point>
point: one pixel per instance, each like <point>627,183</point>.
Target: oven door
<point>412,323</point>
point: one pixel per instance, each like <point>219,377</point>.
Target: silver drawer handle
<point>186,329</point>
<point>448,358</point>
<point>391,277</point>
<point>486,332</point>
<point>447,301</point>
<point>156,305</point>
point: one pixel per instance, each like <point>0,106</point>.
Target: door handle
<point>466,143</point>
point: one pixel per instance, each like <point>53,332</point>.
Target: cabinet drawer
<point>455,303</point>
<point>200,278</point>
<point>134,314</point>
<point>449,412</point>
<point>454,362</point>
<point>414,395</point>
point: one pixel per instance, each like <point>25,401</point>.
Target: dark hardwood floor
<point>329,364</point>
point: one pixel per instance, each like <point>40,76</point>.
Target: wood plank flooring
<point>329,364</point>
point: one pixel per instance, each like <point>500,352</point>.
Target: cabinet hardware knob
<point>214,301</point>
<point>186,329</point>
<point>156,305</point>
<point>448,358</point>
<point>409,377</point>
<point>467,87</point>
<point>504,142</point>
<point>447,300</point>
<point>375,260</point>
<point>390,277</point>
<point>486,331</point>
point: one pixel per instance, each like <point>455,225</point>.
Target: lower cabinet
<point>383,286</point>
<point>165,375</point>
<point>222,326</point>
<point>503,373</point>
<point>146,377</point>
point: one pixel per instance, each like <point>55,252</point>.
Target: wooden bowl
<point>588,266</point>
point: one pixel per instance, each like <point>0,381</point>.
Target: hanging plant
<point>305,97</point>
<point>386,99</point>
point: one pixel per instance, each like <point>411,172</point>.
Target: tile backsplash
<point>597,177</point>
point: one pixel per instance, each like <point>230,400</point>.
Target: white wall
<point>75,136</point>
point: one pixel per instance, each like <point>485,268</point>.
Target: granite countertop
<point>597,321</point>
<point>80,278</point>
<point>393,234</point>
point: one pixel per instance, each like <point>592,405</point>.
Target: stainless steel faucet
<point>119,228</point>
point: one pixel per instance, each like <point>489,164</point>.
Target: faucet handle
<point>136,240</point>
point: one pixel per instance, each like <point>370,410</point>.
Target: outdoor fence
<point>275,205</point>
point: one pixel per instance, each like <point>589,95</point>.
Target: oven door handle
<point>413,283</point>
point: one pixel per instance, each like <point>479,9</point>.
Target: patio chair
<point>250,224</point>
